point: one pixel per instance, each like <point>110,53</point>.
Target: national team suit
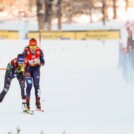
<point>14,70</point>
<point>35,60</point>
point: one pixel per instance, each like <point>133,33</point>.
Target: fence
<point>77,35</point>
<point>71,35</point>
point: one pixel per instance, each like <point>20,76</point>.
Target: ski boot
<point>26,107</point>
<point>2,95</point>
<point>28,103</point>
<point>38,105</point>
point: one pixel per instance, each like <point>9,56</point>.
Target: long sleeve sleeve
<point>24,53</point>
<point>42,58</point>
<point>12,69</point>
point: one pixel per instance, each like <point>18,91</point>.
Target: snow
<point>83,91</point>
<point>82,86</point>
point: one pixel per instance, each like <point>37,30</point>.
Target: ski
<point>28,112</point>
<point>39,110</point>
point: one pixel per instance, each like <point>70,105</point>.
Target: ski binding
<point>28,112</point>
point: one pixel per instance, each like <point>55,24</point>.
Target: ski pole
<point>40,38</point>
<point>4,68</point>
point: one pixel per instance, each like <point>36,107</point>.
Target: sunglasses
<point>21,63</point>
<point>33,46</point>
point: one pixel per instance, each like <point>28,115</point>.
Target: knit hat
<point>20,59</point>
<point>32,42</point>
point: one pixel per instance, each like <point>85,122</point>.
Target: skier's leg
<point>28,88</point>
<point>7,83</point>
<point>22,86</point>
<point>36,81</point>
<point>21,80</point>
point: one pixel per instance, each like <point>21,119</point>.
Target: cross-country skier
<point>16,68</point>
<point>35,57</point>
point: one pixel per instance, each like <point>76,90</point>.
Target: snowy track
<point>82,91</point>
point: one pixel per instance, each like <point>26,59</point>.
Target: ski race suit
<point>13,70</point>
<point>35,61</point>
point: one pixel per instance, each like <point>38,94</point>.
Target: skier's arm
<point>27,66</point>
<point>42,58</point>
<point>24,52</point>
<point>11,70</point>
<point>20,69</point>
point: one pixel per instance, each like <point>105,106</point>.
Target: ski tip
<point>28,112</point>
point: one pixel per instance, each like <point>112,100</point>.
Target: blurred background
<point>48,12</point>
<point>88,80</point>
<point>61,15</point>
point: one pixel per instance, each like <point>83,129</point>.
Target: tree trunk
<point>59,14</point>
<point>40,14</point>
<point>114,8</point>
<point>48,11</point>
<point>90,10</point>
<point>103,11</point>
<point>126,5</point>
<point>90,13</point>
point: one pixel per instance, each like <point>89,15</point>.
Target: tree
<point>59,14</point>
<point>40,14</point>
<point>48,14</point>
<point>104,11</point>
<point>114,9</point>
<point>90,9</point>
<point>126,4</point>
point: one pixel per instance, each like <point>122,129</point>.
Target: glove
<point>13,76</point>
<point>20,69</point>
<point>42,64</point>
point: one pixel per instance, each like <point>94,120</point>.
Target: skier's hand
<point>20,69</point>
<point>42,64</point>
<point>13,76</point>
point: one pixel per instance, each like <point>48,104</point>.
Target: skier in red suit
<point>35,57</point>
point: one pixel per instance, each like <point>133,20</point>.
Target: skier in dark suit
<point>16,68</point>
